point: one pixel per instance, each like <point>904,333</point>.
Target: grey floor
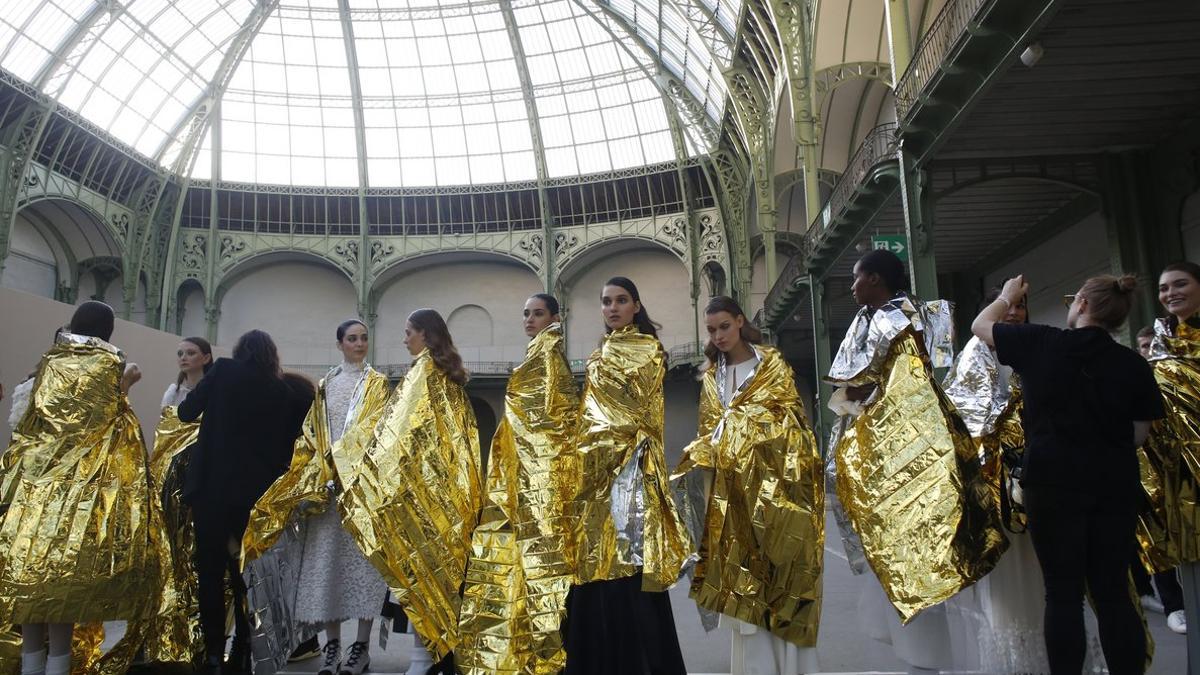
<point>842,648</point>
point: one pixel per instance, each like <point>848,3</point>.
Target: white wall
<point>1059,266</point>
<point>300,304</point>
<point>192,308</point>
<point>31,266</point>
<point>25,342</point>
<point>661,280</point>
<point>481,301</point>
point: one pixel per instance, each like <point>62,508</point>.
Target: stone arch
<point>471,326</point>
<point>589,254</point>
<point>190,309</point>
<point>716,281</point>
<point>50,237</point>
<point>257,261</point>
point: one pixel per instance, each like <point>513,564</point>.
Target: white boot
<point>419,658</point>
<point>58,665</point>
<point>33,663</point>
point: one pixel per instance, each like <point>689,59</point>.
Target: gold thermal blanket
<point>76,530</point>
<point>622,515</point>
<point>518,576</point>
<point>273,545</point>
<point>764,532</point>
<point>908,474</point>
<point>305,488</point>
<point>988,399</point>
<point>1170,531</point>
<point>413,500</point>
<point>173,634</point>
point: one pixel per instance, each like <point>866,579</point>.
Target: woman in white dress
<point>195,358</point>
<point>296,540</point>
<point>760,522</point>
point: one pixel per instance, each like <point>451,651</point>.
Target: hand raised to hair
<point>1015,289</point>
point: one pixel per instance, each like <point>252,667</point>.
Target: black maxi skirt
<point>616,628</point>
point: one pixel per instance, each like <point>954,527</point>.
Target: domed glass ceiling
<point>445,89</point>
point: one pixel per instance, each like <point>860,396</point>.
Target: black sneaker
<point>333,658</point>
<point>356,659</point>
<point>306,650</point>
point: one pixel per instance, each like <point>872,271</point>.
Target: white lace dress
<point>336,581</point>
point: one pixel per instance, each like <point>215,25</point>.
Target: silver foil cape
<point>871,333</point>
<point>978,387</point>
<point>858,361</point>
<point>629,505</point>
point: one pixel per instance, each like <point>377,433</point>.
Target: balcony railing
<point>879,146</point>
<point>932,50</point>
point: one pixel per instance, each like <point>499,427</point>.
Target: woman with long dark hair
<point>415,530</point>
<point>518,576</point>
<point>252,414</point>
<point>1088,403</point>
<point>299,519</point>
<point>628,543</point>
<point>920,524</point>
<point>756,454</point>
<point>1174,447</point>
<point>76,511</point>
<point>195,358</point>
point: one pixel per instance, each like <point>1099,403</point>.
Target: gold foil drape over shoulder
<point>989,403</point>
<point>764,534</point>
<point>622,514</point>
<point>1169,532</point>
<point>305,488</point>
<point>865,347</point>
<point>173,635</point>
<point>273,545</point>
<point>414,499</point>
<point>518,577</point>
<point>76,531</point>
<point>908,474</point>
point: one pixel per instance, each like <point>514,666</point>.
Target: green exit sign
<point>896,243</point>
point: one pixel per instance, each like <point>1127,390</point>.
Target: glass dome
<point>439,92</point>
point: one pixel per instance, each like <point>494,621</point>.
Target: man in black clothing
<point>250,417</point>
<point>1089,402</point>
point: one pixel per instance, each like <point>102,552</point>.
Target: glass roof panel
<point>441,96</point>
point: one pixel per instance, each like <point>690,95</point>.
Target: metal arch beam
<point>687,106</point>
<point>197,123</point>
<point>535,134</point>
<point>363,282</point>
<point>238,45</point>
<point>828,79</point>
<point>59,56</point>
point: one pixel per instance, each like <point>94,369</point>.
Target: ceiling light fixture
<point>1032,54</point>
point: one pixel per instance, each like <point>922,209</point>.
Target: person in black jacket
<point>250,415</point>
<point>1089,402</point>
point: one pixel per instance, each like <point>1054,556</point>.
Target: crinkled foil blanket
<point>907,473</point>
<point>413,501</point>
<point>764,528</point>
<point>273,546</point>
<point>518,577</point>
<point>622,512</point>
<point>991,409</point>
<point>80,530</point>
<point>1169,532</point>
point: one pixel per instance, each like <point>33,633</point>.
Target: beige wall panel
<point>300,304</point>
<point>470,295</point>
<point>29,329</point>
